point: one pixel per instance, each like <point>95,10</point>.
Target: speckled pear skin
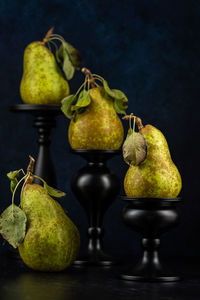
<point>52,240</point>
<point>157,176</point>
<point>42,81</point>
<point>98,127</point>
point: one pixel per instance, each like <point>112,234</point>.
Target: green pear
<point>52,240</point>
<point>99,126</point>
<point>157,176</point>
<point>42,81</point>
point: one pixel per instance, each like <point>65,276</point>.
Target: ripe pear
<point>52,240</point>
<point>99,126</point>
<point>42,81</point>
<point>157,176</point>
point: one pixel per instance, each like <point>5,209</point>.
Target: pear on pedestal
<point>156,176</point>
<point>94,120</point>
<point>43,82</point>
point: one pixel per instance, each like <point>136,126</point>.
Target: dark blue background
<point>148,49</point>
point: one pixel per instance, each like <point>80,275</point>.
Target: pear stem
<point>90,76</point>
<point>138,121</point>
<point>30,170</point>
<point>47,36</point>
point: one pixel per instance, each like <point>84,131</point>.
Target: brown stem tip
<point>87,72</point>
<point>31,165</point>
<point>138,121</point>
<point>47,36</point>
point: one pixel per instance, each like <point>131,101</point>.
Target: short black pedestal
<point>96,187</point>
<point>151,217</point>
<point>44,121</point>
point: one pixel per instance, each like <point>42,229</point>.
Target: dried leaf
<point>13,225</point>
<point>53,192</point>
<point>67,104</point>
<point>134,148</point>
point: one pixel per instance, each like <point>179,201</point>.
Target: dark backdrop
<point>148,49</point>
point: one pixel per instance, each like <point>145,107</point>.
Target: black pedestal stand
<point>95,186</point>
<point>151,217</point>
<point>44,121</point>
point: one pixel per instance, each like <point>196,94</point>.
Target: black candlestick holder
<point>151,217</point>
<point>96,187</point>
<point>44,121</point>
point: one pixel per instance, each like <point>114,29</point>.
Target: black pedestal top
<point>35,108</point>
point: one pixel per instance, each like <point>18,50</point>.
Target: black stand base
<point>149,268</point>
<point>98,257</point>
<point>150,217</point>
<point>95,187</point>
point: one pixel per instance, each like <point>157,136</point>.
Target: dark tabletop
<point>99,283</point>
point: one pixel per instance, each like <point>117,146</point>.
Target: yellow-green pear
<point>52,240</point>
<point>99,126</point>
<point>157,176</point>
<point>43,82</point>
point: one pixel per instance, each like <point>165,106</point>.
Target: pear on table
<point>46,238</point>
<point>156,176</point>
<point>94,120</point>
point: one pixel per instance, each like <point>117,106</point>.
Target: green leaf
<point>120,106</point>
<point>74,55</point>
<point>53,192</point>
<point>134,148</point>
<point>13,225</point>
<point>13,174</point>
<point>13,184</point>
<point>59,54</point>
<point>83,101</point>
<point>69,58</point>
<point>67,103</point>
<point>68,68</point>
<point>119,98</point>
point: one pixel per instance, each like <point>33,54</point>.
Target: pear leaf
<point>13,225</point>
<point>53,192</point>
<point>119,98</point>
<point>134,148</point>
<point>83,101</point>
<point>120,106</point>
<point>68,68</point>
<point>74,55</point>
<point>13,184</point>
<point>69,58</point>
<point>67,104</point>
<point>13,174</point>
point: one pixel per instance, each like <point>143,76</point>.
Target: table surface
<point>91,282</point>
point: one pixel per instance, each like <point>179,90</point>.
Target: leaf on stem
<point>13,175</point>
<point>67,104</point>
<point>13,225</point>
<point>69,58</point>
<point>134,148</point>
<point>83,101</point>
<point>53,192</point>
<point>119,98</point>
